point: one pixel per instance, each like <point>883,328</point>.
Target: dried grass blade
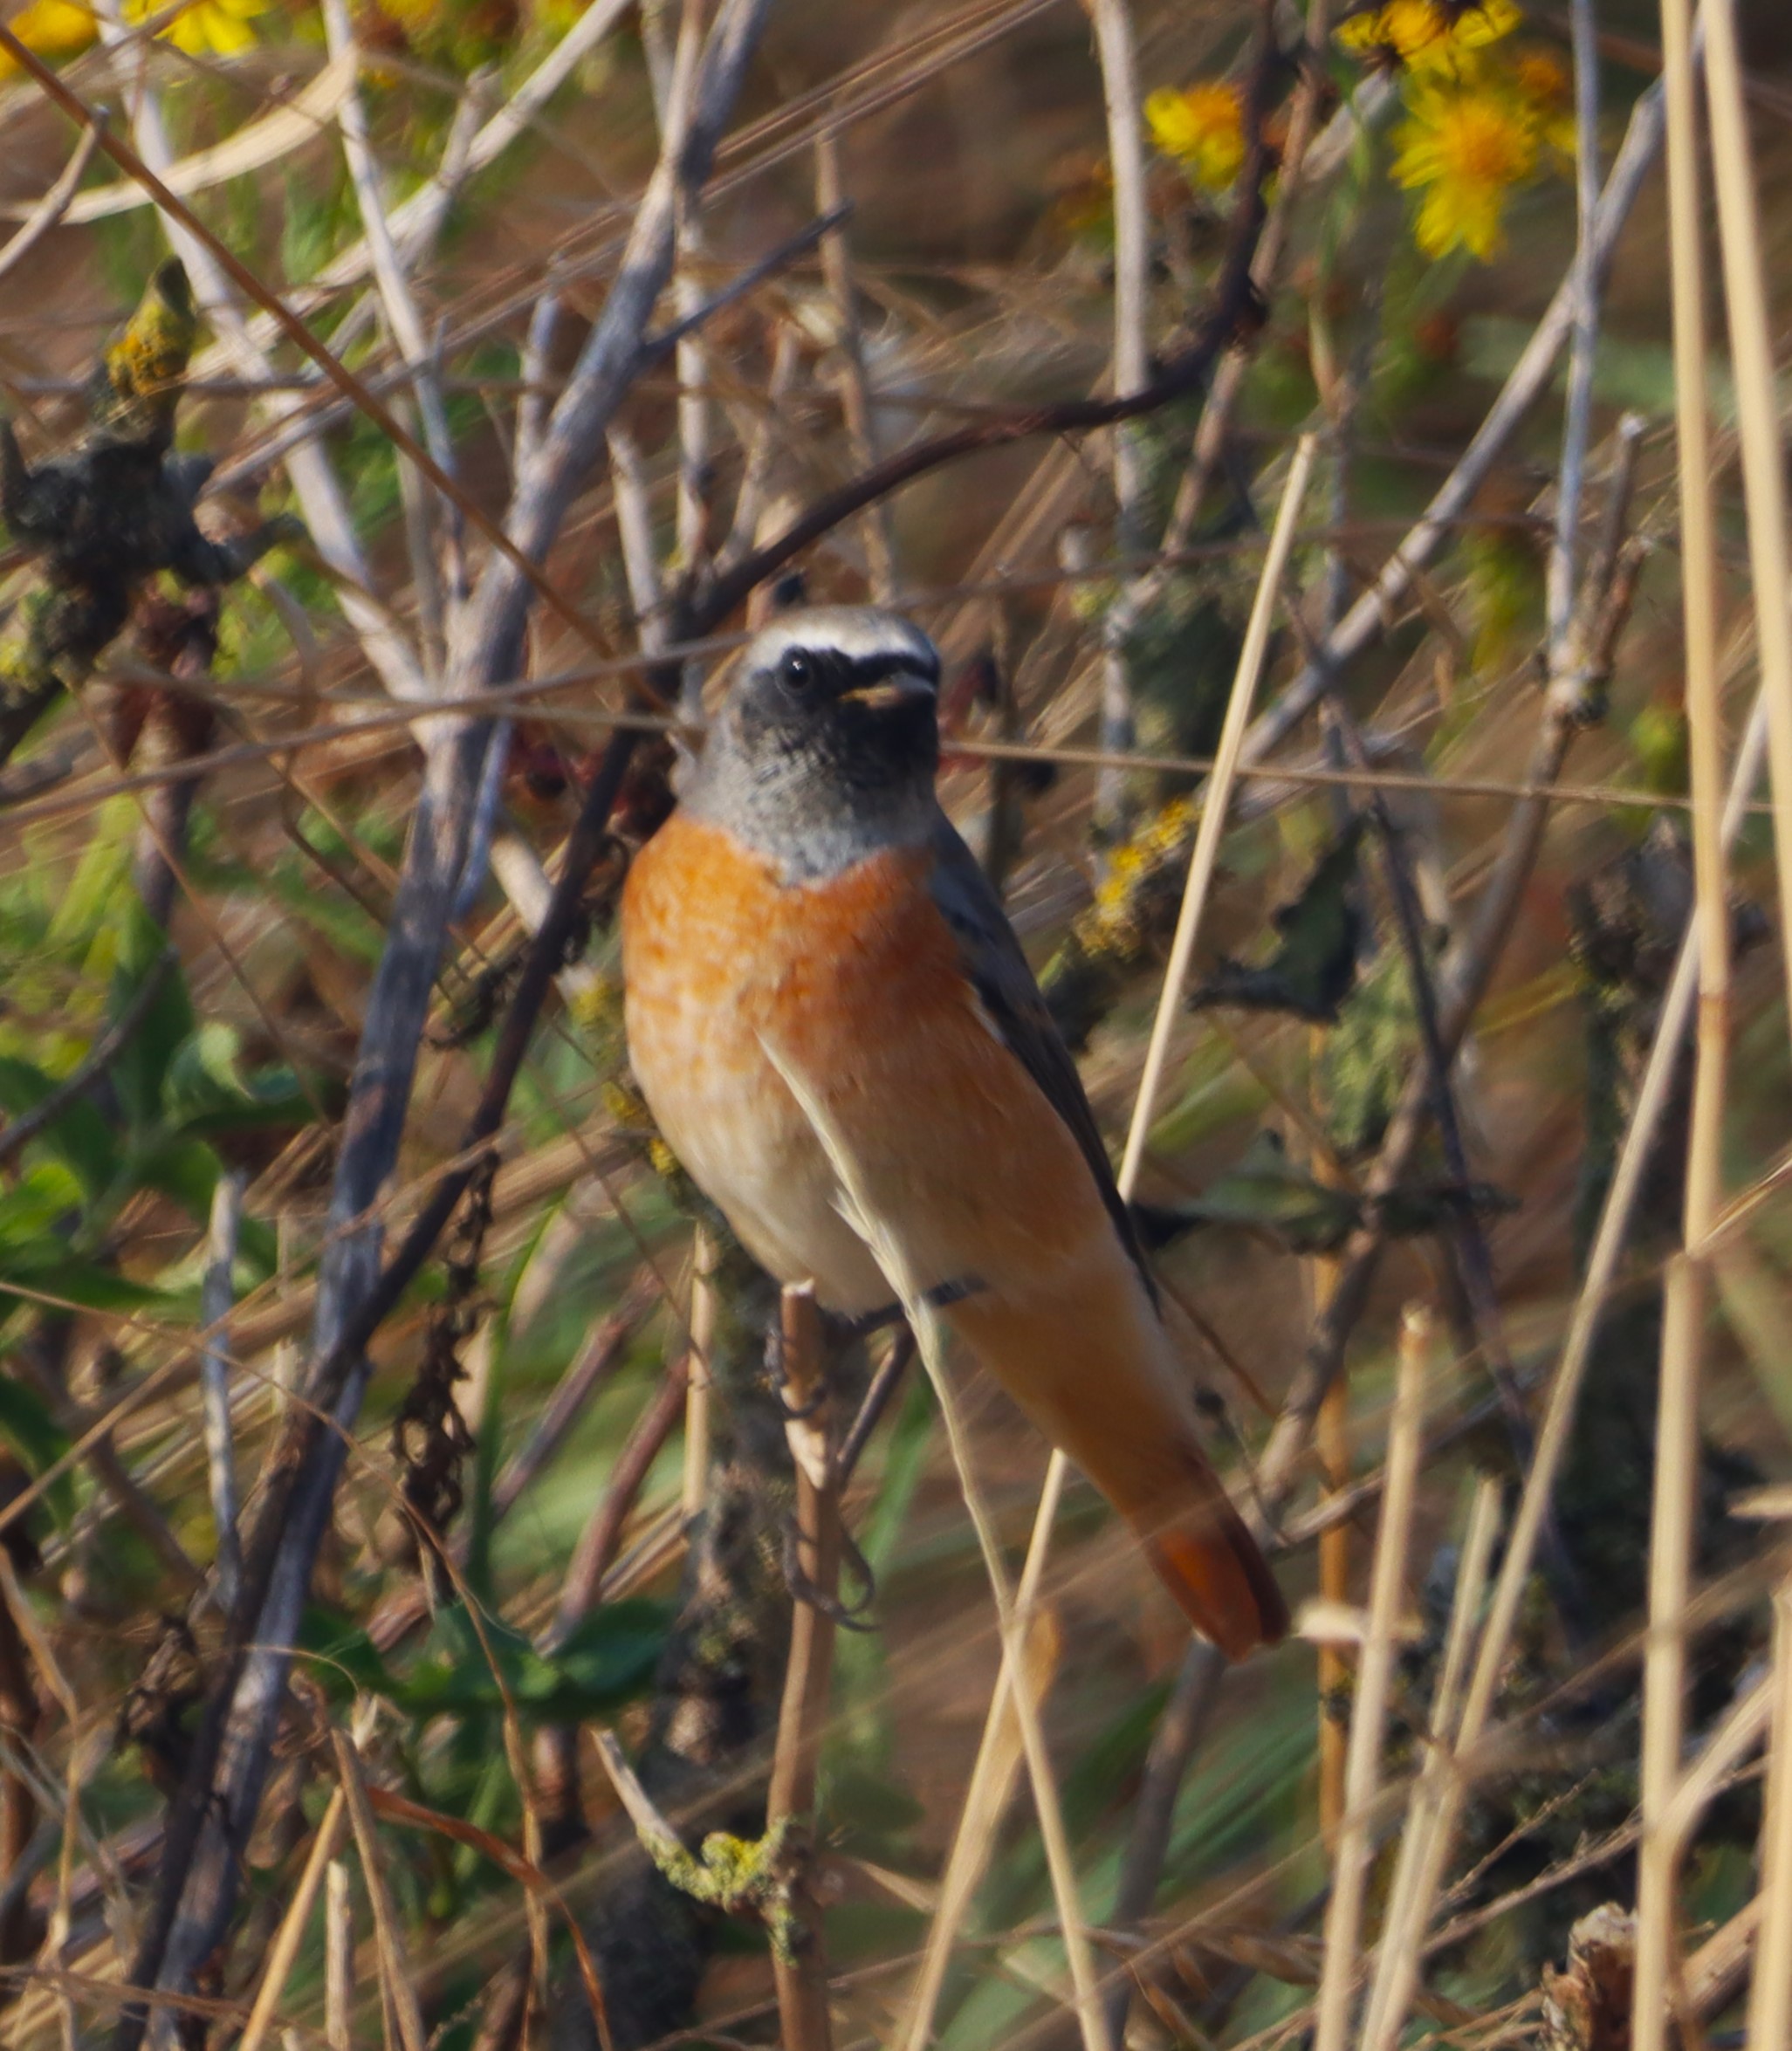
<point>1375,1675</point>
<point>291,1930</point>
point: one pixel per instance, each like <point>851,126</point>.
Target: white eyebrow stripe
<point>859,634</point>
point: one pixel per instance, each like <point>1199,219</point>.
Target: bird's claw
<point>846,1616</point>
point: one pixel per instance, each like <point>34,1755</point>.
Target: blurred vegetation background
<point>237,572</point>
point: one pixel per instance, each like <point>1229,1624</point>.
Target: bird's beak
<point>906,686</point>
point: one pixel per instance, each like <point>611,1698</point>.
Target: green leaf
<point>1265,1189</point>
<point>346,1659</point>
<point>47,1269</point>
<point>866,1806</point>
<point>86,907</point>
<point>27,1426</point>
<point>1314,968</point>
<point>186,1170</point>
<point>204,1094</point>
<point>142,1068</point>
<point>79,1136</point>
<point>609,1658</point>
<point>1627,373</point>
<point>42,1200</point>
<point>33,1435</point>
<point>1266,1192</point>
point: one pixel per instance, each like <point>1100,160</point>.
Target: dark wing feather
<point>998,971</point>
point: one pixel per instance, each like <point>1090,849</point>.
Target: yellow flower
<point>51,28</point>
<point>1202,128</point>
<point>1465,145</point>
<point>208,28</point>
<point>1427,35</point>
<point>1539,78</point>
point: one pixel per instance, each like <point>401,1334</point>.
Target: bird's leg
<point>839,1330</point>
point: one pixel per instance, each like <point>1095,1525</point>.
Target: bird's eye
<point>797,667</point>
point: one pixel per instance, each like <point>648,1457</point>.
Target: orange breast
<point>855,986</point>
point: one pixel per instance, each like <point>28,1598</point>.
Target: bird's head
<point>826,745</point>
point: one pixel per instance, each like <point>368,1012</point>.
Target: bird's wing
<point>1004,983</point>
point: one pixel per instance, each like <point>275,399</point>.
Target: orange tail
<point>1213,1567</point>
<point>1093,1367</point>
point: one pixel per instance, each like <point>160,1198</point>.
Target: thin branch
<point>761,451</point>
<point>855,381</point>
<point>1657,1962</point>
<point>602,1353</point>
<point>50,209</point>
<point>1584,286</point>
<point>215,1301</point>
<point>884,1384</point>
<point>1482,1330</point>
<point>1180,1729</point>
<point>798,1965</point>
<point>292,1932</point>
<point>397,1981</point>
<point>1758,411</point>
<point>700,1388</point>
<point>1060,1865</point>
<point>534,373</point>
<point>1770,1997</point>
<point>402,317</point>
<point>641,565</point>
<point>1132,260</point>
<point>597,1545</point>
<point>1205,856</point>
<point>339,1960</point>
<point>1375,1674</point>
<point>1367,620</point>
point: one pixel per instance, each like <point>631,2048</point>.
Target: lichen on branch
<point>117,512</point>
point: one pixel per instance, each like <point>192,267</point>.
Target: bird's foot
<point>846,1616</point>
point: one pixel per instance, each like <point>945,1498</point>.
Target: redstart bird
<point>838,1037</point>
